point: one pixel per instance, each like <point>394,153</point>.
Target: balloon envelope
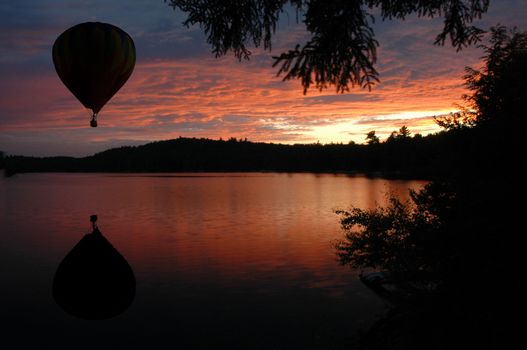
<point>94,60</point>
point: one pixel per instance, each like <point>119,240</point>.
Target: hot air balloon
<point>94,60</point>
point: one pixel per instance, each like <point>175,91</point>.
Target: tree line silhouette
<point>401,155</point>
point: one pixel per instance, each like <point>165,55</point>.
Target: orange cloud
<point>204,97</point>
<point>225,98</point>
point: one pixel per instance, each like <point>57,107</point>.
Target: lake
<point>223,260</point>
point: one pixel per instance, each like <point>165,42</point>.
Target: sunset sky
<point>178,88</point>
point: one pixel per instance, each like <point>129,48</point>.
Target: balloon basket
<point>93,121</point>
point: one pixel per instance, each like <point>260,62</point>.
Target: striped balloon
<point>94,60</point>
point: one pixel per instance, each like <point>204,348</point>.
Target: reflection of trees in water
<point>94,281</point>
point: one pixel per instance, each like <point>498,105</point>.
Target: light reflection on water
<point>225,258</point>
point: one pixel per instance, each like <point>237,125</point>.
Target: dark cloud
<point>375,120</point>
<point>362,96</point>
<point>58,142</point>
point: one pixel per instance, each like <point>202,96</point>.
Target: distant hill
<point>417,157</point>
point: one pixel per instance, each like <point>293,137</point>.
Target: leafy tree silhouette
<point>498,88</point>
<point>371,138</point>
<point>402,134</point>
<point>342,49</point>
<point>463,229</point>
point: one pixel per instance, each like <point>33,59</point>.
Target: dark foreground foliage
<point>341,50</point>
<point>456,248</point>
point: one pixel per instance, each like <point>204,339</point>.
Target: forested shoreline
<point>401,155</point>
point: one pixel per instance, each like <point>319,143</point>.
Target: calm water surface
<point>221,260</point>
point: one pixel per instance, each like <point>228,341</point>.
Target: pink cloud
<point>200,98</point>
